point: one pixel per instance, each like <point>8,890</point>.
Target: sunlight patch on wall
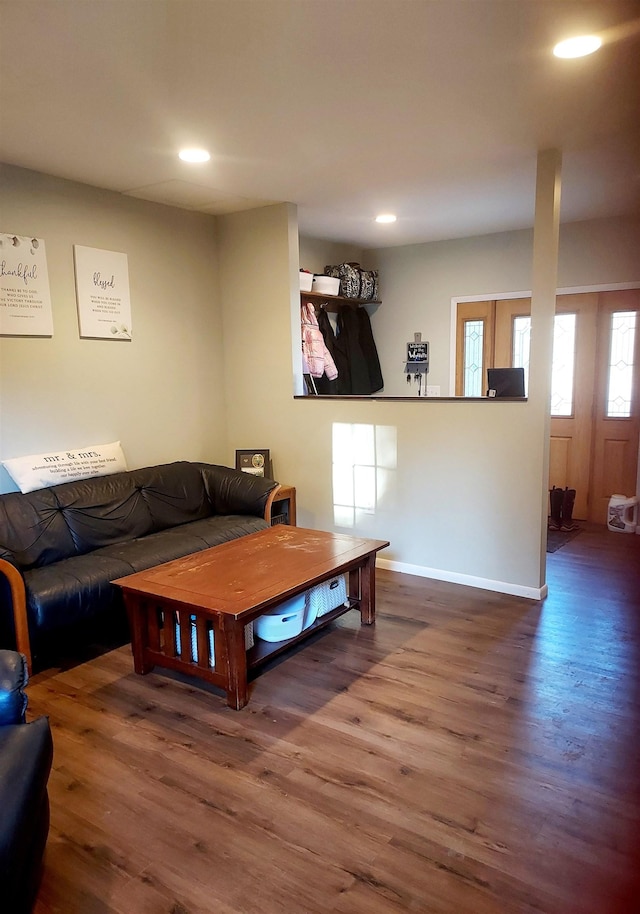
<point>364,466</point>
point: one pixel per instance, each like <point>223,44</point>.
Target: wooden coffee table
<point>206,599</point>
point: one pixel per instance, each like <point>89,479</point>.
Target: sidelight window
<point>562,370</point>
<point>522,346</point>
<point>623,335</point>
<point>473,349</point>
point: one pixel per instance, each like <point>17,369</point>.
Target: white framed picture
<point>25,298</point>
<point>102,292</point>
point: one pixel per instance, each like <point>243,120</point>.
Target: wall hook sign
<point>418,353</point>
<point>417,362</point>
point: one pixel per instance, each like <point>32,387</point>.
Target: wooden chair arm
<point>19,604</point>
<point>269,504</point>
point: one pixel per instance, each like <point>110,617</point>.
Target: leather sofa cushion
<point>33,528</point>
<point>79,587</point>
<point>178,541</point>
<point>174,493</point>
<point>234,493</point>
<point>71,590</point>
<point>49,525</point>
<point>110,509</point>
<point>105,510</point>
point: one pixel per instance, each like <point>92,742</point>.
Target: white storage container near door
<point>622,515</point>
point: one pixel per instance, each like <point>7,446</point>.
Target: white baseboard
<point>516,590</point>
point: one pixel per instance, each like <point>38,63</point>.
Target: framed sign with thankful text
<point>25,299</point>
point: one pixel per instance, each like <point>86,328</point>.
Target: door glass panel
<point>472,367</point>
<point>562,371</point>
<point>521,347</point>
<point>564,335</point>
<point>623,332</point>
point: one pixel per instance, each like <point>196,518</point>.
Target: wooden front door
<point>592,449</point>
<point>571,427</point>
<point>616,435</point>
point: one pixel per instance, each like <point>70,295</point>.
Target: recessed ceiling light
<point>578,47</point>
<point>386,217</point>
<point>194,155</point>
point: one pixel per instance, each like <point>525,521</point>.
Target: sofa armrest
<point>26,754</point>
<point>233,492</point>
<point>13,679</point>
<point>19,607</point>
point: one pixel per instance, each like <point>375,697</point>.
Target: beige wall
<point>161,394</point>
<point>419,281</point>
<point>458,483</point>
<point>316,254</point>
<point>458,497</point>
<point>463,502</point>
<point>258,257</point>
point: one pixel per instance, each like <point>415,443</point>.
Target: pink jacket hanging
<point>316,358</point>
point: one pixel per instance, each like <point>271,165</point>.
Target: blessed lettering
<point>104,283</point>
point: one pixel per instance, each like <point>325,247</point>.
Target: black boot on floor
<point>556,498</point>
<point>568,499</point>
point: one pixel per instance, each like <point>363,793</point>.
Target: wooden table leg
<point>136,610</point>
<point>293,514</point>
<point>237,688</point>
<point>368,590</point>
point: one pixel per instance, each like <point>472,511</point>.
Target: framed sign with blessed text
<point>102,291</point>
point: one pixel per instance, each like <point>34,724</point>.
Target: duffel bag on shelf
<point>369,285</point>
<point>354,281</point>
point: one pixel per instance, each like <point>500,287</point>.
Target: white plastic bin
<point>622,516</point>
<point>306,281</point>
<point>285,621</point>
<point>327,285</point>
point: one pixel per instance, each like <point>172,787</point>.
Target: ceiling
<point>431,109</point>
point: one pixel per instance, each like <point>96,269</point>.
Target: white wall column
<point>543,305</point>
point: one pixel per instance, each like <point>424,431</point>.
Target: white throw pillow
<point>40,470</point>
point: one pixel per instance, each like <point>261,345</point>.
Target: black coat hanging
<point>348,342</point>
<point>368,346</point>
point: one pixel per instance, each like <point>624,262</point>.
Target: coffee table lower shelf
<point>263,651</point>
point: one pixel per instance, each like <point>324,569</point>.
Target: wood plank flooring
<point>473,753</point>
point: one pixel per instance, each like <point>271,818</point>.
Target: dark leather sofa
<point>60,547</point>
<point>26,753</point>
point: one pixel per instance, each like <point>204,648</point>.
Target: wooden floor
<point>473,753</point>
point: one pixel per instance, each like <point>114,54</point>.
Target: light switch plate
<point>433,390</point>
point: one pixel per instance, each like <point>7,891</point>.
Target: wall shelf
<point>333,302</point>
